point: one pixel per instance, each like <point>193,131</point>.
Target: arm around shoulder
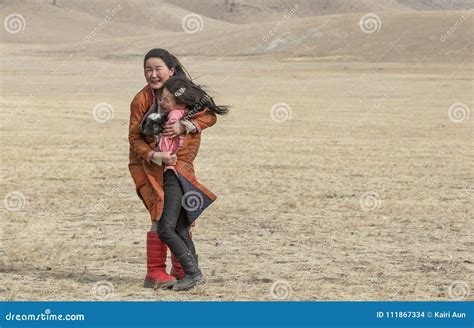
<point>204,120</point>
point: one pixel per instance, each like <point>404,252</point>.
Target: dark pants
<point>173,227</point>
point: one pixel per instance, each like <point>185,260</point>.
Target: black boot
<point>192,274</point>
<point>193,253</point>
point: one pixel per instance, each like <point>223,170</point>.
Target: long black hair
<point>170,60</point>
<point>192,96</point>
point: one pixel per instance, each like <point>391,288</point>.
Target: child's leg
<point>167,230</point>
<point>182,230</point>
<point>184,233</point>
<point>171,212</point>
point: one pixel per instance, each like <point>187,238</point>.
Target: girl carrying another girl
<point>146,164</point>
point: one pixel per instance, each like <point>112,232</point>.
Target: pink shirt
<point>168,144</point>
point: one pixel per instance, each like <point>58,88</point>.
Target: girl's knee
<point>183,234</point>
<point>165,231</point>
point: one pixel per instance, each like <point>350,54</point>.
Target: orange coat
<point>148,177</point>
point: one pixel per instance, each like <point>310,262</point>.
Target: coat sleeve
<point>204,119</point>
<point>135,137</point>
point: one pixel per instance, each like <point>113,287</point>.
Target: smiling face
<point>156,72</point>
<point>168,101</point>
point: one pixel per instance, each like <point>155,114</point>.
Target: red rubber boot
<point>156,276</point>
